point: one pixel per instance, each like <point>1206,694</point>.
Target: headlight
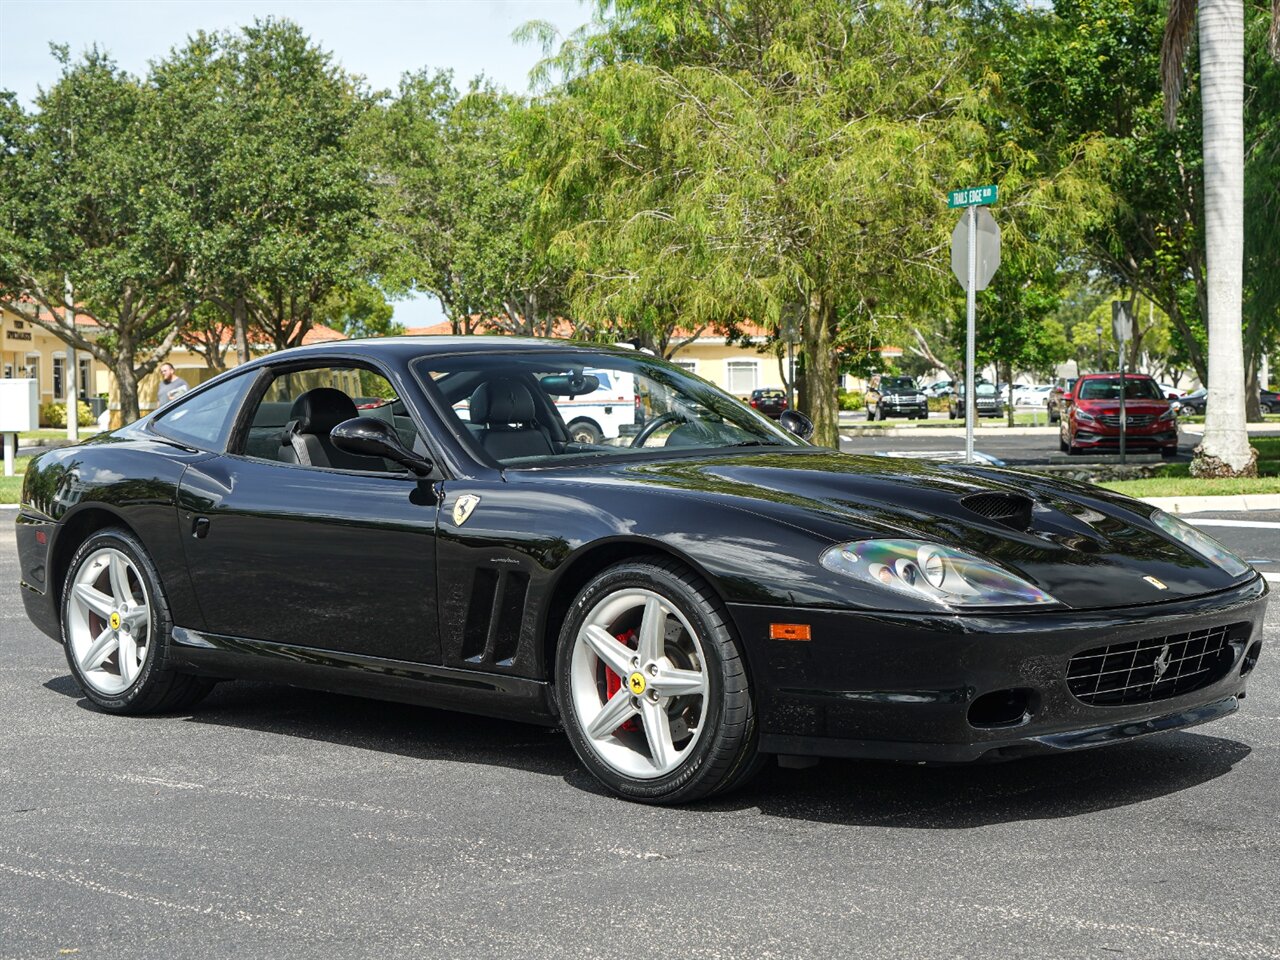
<point>1087,417</point>
<point>1201,543</point>
<point>928,571</point>
<point>1167,415</point>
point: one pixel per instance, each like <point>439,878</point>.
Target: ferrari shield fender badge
<point>1158,584</point>
<point>463,507</point>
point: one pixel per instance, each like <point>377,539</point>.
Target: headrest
<point>502,401</point>
<point>320,410</point>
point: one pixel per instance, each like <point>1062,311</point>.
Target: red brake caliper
<point>613,682</point>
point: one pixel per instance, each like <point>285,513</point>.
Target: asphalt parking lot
<point>274,822</point>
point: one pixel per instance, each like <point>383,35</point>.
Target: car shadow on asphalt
<point>857,793</point>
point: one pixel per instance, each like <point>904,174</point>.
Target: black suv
<point>897,397</point>
<point>986,398</point>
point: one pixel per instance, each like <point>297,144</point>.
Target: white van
<point>605,414</point>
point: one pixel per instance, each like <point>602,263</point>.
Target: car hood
<point>1086,547</point>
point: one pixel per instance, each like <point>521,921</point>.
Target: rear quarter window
<point>203,419</point>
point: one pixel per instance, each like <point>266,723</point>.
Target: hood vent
<point>1007,509</point>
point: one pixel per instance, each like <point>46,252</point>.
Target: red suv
<point>1091,415</point>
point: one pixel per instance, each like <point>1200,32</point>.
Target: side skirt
<point>238,658</point>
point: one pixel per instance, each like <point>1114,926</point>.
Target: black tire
<point>871,412</point>
<point>584,431</point>
<point>1072,450</point>
<point>1062,445</point>
<point>1168,453</point>
<point>158,687</point>
<point>725,755</point>
<point>951,412</point>
<point>880,412</point>
<point>1054,415</point>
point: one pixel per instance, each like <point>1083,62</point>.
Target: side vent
<point>1007,509</point>
<point>475,632</point>
<point>509,617</point>
<point>495,614</point>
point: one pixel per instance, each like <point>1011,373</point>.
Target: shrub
<point>852,400</point>
<point>55,415</point>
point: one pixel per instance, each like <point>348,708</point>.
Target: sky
<point>379,39</point>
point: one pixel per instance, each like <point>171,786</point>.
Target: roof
<point>565,330</point>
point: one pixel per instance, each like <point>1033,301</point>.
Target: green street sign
<point>972,197</point>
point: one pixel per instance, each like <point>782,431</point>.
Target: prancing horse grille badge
<point>463,507</point>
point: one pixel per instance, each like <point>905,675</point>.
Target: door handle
<point>200,527</point>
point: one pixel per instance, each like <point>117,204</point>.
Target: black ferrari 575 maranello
<point>697,590</point>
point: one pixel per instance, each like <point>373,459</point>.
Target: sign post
<point>1122,330</point>
<point>975,254</point>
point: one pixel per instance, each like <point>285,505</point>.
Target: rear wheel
<point>652,687</point>
<point>115,624</point>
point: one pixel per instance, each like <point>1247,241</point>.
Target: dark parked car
<point>897,397</point>
<point>1091,417</point>
<point>1053,403</point>
<point>711,593</point>
<point>1194,403</point>
<point>770,401</point>
<point>986,398</point>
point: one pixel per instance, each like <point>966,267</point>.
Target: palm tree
<point>1225,449</point>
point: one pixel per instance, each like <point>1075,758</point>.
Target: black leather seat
<point>506,410</point>
<point>306,438</point>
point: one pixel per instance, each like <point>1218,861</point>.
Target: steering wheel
<point>650,428</point>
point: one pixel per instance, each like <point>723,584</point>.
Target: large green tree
<point>716,161</point>
<point>455,208</point>
<point>261,125</point>
<point>84,207</point>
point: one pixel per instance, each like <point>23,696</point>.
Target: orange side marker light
<point>789,631</point>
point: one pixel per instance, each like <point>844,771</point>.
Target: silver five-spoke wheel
<point>108,620</point>
<point>638,679</point>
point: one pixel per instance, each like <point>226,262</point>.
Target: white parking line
<point>1257,524</point>
<point>1270,577</point>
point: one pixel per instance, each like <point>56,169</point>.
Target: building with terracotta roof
<point>28,350</point>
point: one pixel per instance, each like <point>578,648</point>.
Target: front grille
<point>1132,419</point>
<point>1144,670</point>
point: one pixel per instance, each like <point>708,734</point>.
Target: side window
<point>292,420</point>
<point>204,419</point>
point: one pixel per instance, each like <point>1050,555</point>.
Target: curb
<point>1239,503</point>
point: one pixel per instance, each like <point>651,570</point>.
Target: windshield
<point>1109,389</point>
<point>898,383</point>
<point>539,408</point>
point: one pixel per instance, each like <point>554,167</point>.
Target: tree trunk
<point>241,332</point>
<point>822,372</point>
<point>127,382</point>
<point>1225,449</point>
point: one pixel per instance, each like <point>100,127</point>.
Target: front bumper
<point>898,686</point>
<point>1097,436</point>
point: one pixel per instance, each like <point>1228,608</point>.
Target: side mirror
<point>793,421</point>
<point>371,437</point>
<point>1068,398</point>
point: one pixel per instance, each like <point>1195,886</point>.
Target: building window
<point>743,376</point>
<point>82,385</point>
<point>690,365</point>
<point>59,388</point>
<point>32,370</point>
<point>8,371</point>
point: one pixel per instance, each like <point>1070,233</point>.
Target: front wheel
<point>652,687</point>
<point>115,623</point>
